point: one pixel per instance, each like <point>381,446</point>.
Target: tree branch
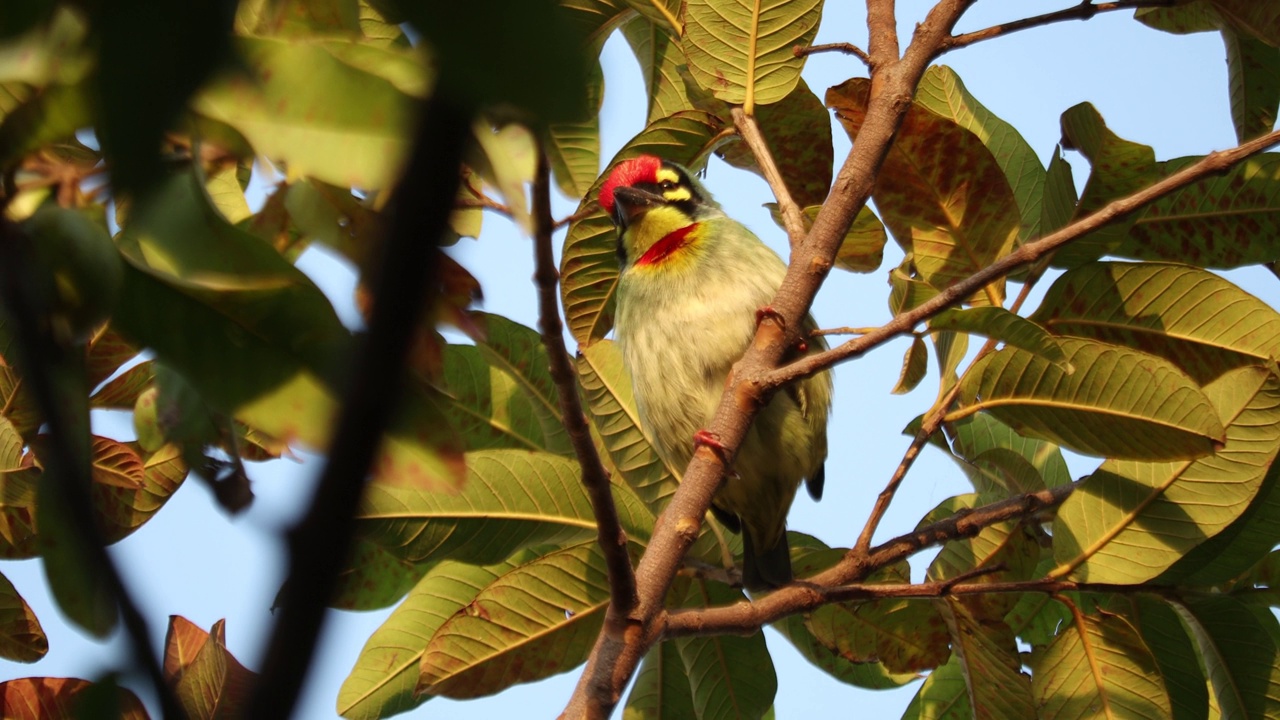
<point>749,131</point>
<point>846,48</point>
<point>613,540</point>
<point>320,543</point>
<point>1084,11</point>
<point>616,655</point>
<point>901,324</point>
<point>839,583</point>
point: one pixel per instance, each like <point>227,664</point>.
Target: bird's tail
<point>766,568</point>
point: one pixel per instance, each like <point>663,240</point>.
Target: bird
<point>693,286</point>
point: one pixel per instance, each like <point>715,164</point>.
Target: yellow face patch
<point>669,183</point>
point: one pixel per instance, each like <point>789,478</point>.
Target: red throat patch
<point>671,243</point>
<point>629,172</point>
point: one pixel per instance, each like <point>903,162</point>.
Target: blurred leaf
<point>1239,653</point>
<point>335,217</point>
<point>298,17</point>
<point>1253,69</point>
<point>206,678</point>
<point>606,387</point>
<point>1118,403</point>
<point>573,148</point>
<point>1004,326</point>
<point>1203,323</point>
<point>536,620</point>
<point>19,406</point>
<point>942,696</point>
<point>988,656</point>
<point>1119,168</point>
<point>1099,663</point>
<point>223,187</point>
<point>1224,221</point>
<point>18,513</point>
<point>317,106</point>
<point>511,499</point>
<point>46,698</point>
<point>41,118</point>
<point>21,637</point>
<point>595,20</point>
<point>125,509</point>
<point>106,353</point>
<point>940,192</point>
<point>662,13</point>
<point>122,392</point>
<point>374,578</point>
<point>742,51</point>
<point>942,93</point>
<point>797,130</point>
<point>151,60</point>
<point>731,676</point>
<point>661,689</point>
<point>80,587</point>
<point>508,163</point>
<point>1129,521</point>
<point>914,366</point>
<point>385,675</point>
<point>589,263</point>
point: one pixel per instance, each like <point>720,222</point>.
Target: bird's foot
<point>768,312</point>
<point>711,441</point>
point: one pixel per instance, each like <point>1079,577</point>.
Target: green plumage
<point>682,321</point>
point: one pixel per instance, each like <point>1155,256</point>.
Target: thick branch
<point>787,207</point>
<point>321,542</point>
<point>1084,11</point>
<point>613,541</point>
<point>616,655</point>
<point>837,583</point>
<point>903,323</point>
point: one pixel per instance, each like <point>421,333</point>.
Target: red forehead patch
<point>629,172</point>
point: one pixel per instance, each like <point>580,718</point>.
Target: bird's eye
<point>667,185</point>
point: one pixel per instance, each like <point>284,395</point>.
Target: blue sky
<point>192,560</point>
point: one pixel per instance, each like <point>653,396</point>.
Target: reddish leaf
<point>21,637</point>
<point>206,678</point>
<point>124,509</point>
<point>106,353</point>
<point>116,464</point>
<point>122,391</point>
<point>46,698</point>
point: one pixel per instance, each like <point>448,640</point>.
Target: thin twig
<point>1084,11</point>
<point>842,47</point>
<point>613,540</point>
<point>749,131</point>
<point>840,583</point>
<point>841,331</point>
<point>41,356</point>
<point>1031,252</point>
<point>320,543</point>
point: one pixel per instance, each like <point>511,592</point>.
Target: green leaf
<point>940,192</point>
<point>942,696</point>
<point>988,656</point>
<point>316,106</point>
<point>1060,198</point>
<point>870,675</point>
<point>511,499</point>
<point>385,674</point>
<point>661,62</point>
<point>595,20</point>
<point>663,13</point>
<point>1262,20</point>
<point>662,687</point>
<point>914,366</point>
<point>507,161</point>
<point>123,508</point>
<point>1118,403</point>
<point>573,148</point>
<point>942,92</point>
<point>1223,221</point>
<point>1004,326</point>
<point>538,619</point>
<point>731,676</point>
<point>742,50</point>
<point>979,434</point>
<point>1253,74</point>
<point>1007,550</point>
<point>38,119</point>
<point>21,637</point>
<point>1240,654</point>
<point>1098,666</point>
<point>1119,168</point>
<point>906,636</point>
<point>1129,521</point>
<point>1201,322</point>
<point>589,263</point>
<point>1184,18</point>
<point>862,250</point>
<point>606,387</point>
<point>519,352</point>
<point>797,130</point>
<point>80,587</point>
<point>1174,653</point>
<point>374,577</point>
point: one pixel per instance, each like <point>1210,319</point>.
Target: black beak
<point>629,203</point>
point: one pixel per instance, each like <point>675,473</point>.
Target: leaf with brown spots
<point>1182,19</point>
<point>207,680</point>
<point>1118,403</point>
<point>1119,168</point>
<point>1259,19</point>
<point>940,192</point>
<point>862,250</point>
<point>46,698</point>
<point>1253,75</point>
<point>1224,221</point>
<point>1194,318</point>
<point>798,132</point>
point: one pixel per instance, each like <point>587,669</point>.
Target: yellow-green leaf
<point>988,658</point>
